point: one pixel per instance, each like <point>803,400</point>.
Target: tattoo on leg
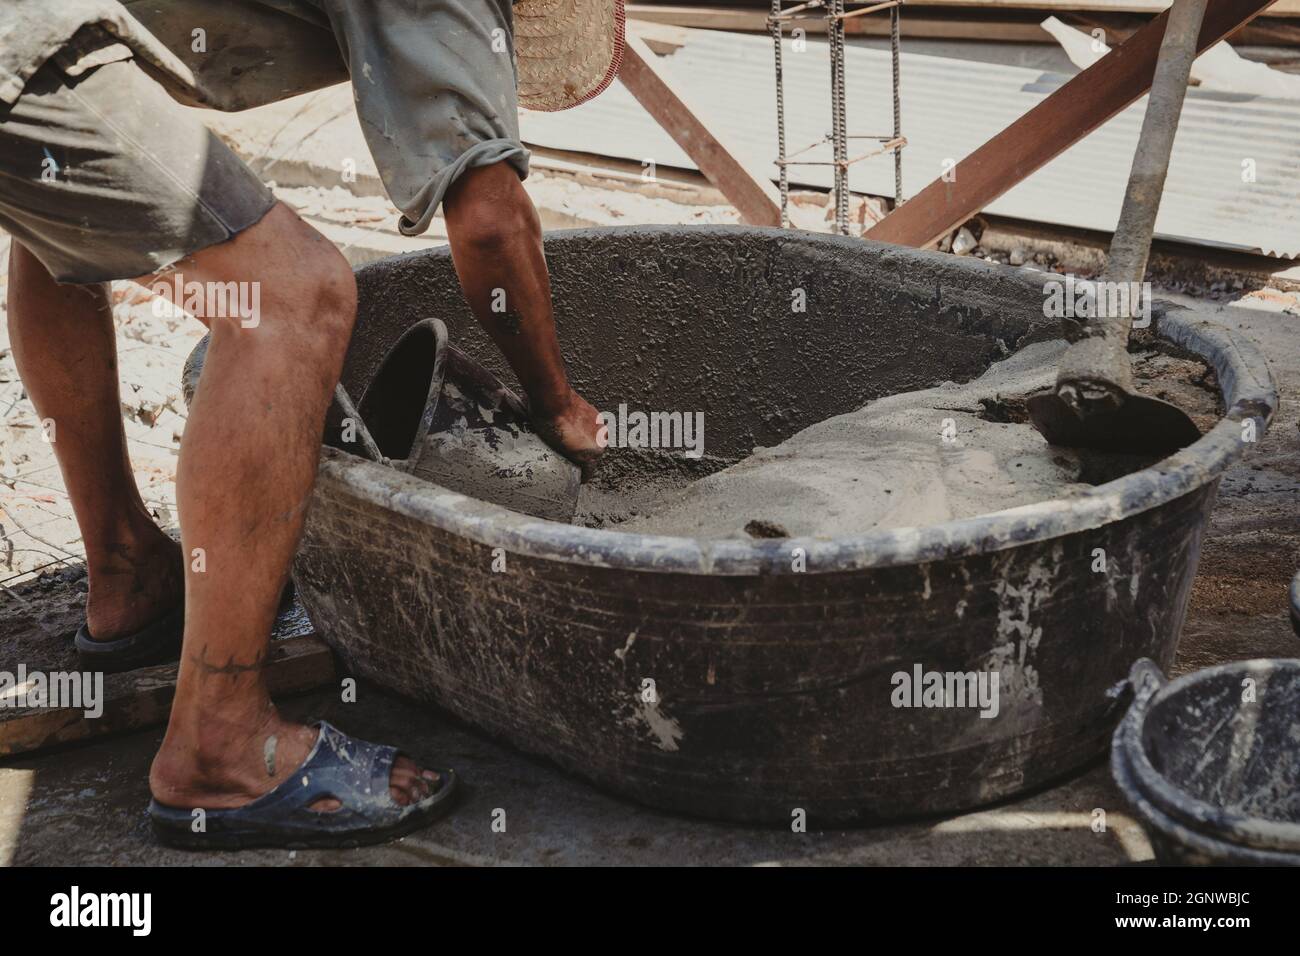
<point>232,667</point>
<point>268,755</point>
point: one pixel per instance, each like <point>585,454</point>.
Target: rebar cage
<point>835,15</point>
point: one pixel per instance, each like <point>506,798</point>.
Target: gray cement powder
<point>886,465</point>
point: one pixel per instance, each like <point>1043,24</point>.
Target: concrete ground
<point>86,805</point>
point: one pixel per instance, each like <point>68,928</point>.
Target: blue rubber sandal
<point>154,643</point>
<point>354,772</point>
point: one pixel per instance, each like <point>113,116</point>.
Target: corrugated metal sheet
<point>949,108</point>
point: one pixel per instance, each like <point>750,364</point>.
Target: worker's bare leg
<point>66,353</point>
<point>247,465</point>
<point>496,243</point>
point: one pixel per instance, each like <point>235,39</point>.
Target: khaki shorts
<point>434,86</point>
<point>104,176</point>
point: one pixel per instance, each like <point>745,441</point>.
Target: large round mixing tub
<point>753,679</point>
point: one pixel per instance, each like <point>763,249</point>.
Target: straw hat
<point>567,51</point>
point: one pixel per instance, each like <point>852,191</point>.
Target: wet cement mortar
<point>908,460</point>
<point>85,805</point>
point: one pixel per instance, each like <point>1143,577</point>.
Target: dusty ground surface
<point>86,805</point>
<point>1252,547</point>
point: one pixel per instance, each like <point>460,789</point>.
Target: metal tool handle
<point>1095,369</point>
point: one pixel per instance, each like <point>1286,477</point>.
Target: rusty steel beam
<point>749,190</point>
<point>1053,126</point>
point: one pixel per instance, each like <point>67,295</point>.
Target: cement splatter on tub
<point>919,458</point>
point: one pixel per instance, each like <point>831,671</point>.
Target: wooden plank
<point>1262,31</point>
<point>1047,130</point>
<point>757,8</point>
<point>1283,8</point>
<point>944,26</point>
<point>1011,27</point>
<point>142,698</point>
<point>751,192</point>
<point>1268,32</point>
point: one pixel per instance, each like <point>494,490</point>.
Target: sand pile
<point>917,458</point>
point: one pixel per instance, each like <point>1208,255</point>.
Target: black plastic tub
<point>1211,762</point>
<point>751,680</point>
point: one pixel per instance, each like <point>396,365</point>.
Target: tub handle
<point>1135,691</point>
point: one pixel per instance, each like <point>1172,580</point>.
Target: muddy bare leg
<point>247,466</point>
<point>66,352</point>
